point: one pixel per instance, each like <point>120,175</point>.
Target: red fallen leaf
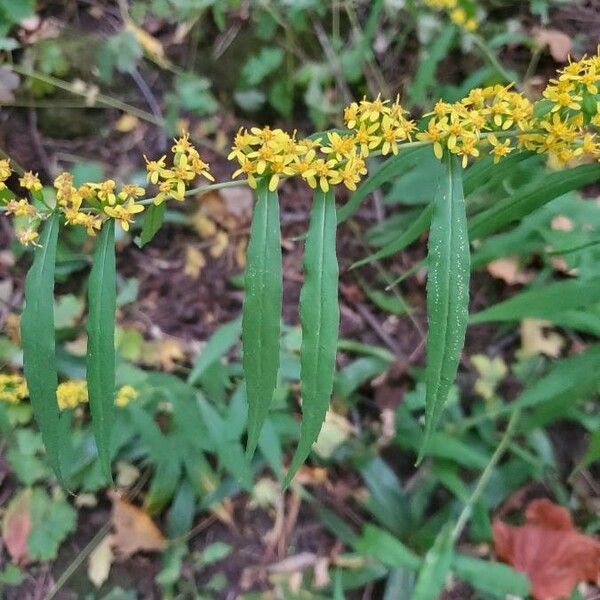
<point>549,550</point>
<point>16,526</point>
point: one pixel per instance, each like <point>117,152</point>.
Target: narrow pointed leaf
<point>38,340</point>
<point>531,197</point>
<point>261,320</point>
<point>221,341</point>
<point>319,317</point>
<point>417,227</point>
<point>101,343</point>
<point>153,219</point>
<point>447,292</point>
<point>388,170</point>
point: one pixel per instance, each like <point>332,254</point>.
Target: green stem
<point>465,515</point>
<point>493,59</point>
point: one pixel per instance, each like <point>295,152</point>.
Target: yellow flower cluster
<point>570,124</point>
<point>5,173</point>
<point>13,388</point>
<point>187,165</point>
<point>69,394</point>
<point>456,12</point>
<point>74,392</point>
<point>461,127</point>
<point>91,204</point>
<point>273,154</point>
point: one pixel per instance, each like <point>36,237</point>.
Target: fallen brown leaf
<point>134,529</point>
<point>534,340</point>
<point>508,270</point>
<point>549,550</point>
<point>100,561</point>
<point>559,43</point>
<point>16,526</point>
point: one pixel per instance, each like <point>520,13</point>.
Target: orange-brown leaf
<point>549,550</point>
<point>134,529</point>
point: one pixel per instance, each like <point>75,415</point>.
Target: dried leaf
<point>508,270</point>
<point>559,43</point>
<point>16,526</point>
<point>562,223</point>
<point>491,373</point>
<point>534,340</point>
<point>134,530</point>
<point>151,46</point>
<point>238,202</point>
<point>194,262</point>
<point>204,226</point>
<point>219,244</point>
<point>335,431</point>
<point>126,123</point>
<point>548,548</point>
<point>100,561</point>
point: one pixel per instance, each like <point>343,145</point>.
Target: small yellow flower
<point>124,213</point>
<point>13,388</point>
<point>131,191</point>
<point>30,182</point>
<point>20,208</point>
<point>28,237</point>
<point>154,168</point>
<point>125,395</point>
<point>499,149</point>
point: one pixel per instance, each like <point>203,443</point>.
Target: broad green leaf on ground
<point>447,292</point>
<point>530,197</point>
<point>388,170</point>
<point>221,341</point>
<point>417,227</point>
<point>37,334</point>
<point>543,302</point>
<point>100,361</point>
<point>436,567</point>
<point>261,321</point>
<point>386,548</point>
<point>35,525</point>
<point>491,578</point>
<point>319,316</point>
<point>153,219</point>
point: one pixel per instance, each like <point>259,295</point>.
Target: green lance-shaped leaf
<point>101,343</point>
<point>153,219</point>
<point>447,292</point>
<point>319,317</point>
<point>37,335</point>
<point>261,320</point>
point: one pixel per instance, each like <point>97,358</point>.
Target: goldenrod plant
<point>488,127</point>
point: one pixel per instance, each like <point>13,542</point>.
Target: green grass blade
<point>261,321</point>
<point>425,75</point>
<point>447,292</point>
<point>38,341</point>
<point>531,197</point>
<point>545,302</point>
<point>417,227</point>
<point>221,341</point>
<point>101,343</point>
<point>153,219</point>
<point>319,316</point>
<point>388,170</point>
<point>485,171</point>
